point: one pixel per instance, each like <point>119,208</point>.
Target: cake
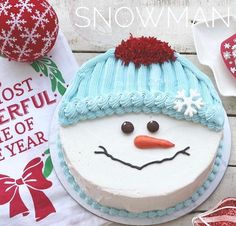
<point>140,130</point>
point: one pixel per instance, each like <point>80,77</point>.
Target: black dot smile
<point>105,152</point>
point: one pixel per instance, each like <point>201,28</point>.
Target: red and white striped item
<point>224,214</point>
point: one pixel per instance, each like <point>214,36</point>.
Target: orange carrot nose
<point>145,142</point>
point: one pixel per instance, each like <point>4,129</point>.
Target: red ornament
<point>228,52</point>
<point>223,214</point>
<point>28,29</point>
<point>144,50</point>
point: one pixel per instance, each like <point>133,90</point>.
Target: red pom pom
<point>144,50</point>
<point>28,29</point>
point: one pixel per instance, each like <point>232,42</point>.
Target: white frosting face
<point>156,186</point>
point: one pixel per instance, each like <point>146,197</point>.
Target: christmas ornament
<point>223,214</point>
<point>228,52</point>
<point>28,29</point>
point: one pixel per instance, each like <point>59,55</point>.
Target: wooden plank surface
<point>101,36</point>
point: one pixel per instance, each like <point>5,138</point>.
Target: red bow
<point>33,178</point>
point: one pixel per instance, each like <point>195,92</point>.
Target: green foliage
<point>48,68</point>
<point>48,166</point>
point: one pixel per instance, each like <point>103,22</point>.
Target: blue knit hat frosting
<point>105,86</point>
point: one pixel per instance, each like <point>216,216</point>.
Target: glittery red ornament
<point>228,52</point>
<point>144,50</point>
<point>224,214</point>
<point>28,29</point>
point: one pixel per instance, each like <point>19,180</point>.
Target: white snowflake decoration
<point>31,36</point>
<point>190,104</point>
<point>25,5</point>
<point>22,51</point>
<point>8,38</point>
<point>15,21</point>
<point>227,55</point>
<point>234,53</point>
<point>40,18</point>
<point>47,7</point>
<point>49,38</point>
<point>227,45</point>
<point>37,55</point>
<point>4,7</point>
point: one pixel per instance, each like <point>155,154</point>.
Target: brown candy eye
<point>153,126</point>
<point>127,127</point>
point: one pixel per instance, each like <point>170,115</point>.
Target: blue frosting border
<point>147,214</point>
<point>92,108</point>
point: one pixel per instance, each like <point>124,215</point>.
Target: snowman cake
<point>140,127</point>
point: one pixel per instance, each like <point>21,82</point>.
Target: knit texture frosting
<point>105,86</point>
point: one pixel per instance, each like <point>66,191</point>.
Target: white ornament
<point>227,45</point>
<point>4,7</point>
<point>30,35</point>
<point>227,55</point>
<point>190,103</point>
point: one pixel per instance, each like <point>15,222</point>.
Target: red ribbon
<point>33,178</point>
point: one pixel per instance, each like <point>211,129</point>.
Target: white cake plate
<point>138,221</point>
<point>207,41</point>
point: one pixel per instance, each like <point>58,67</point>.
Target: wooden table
<point>180,38</point>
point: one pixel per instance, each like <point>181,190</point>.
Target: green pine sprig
<point>47,67</point>
<point>48,166</point>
